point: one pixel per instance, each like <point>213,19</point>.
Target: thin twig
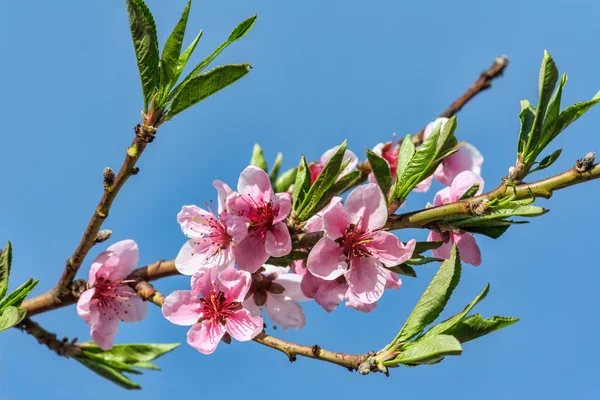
<point>65,347</point>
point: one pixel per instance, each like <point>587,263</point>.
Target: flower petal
<point>236,227</point>
<point>444,250</point>
<point>278,242</point>
<point>205,336</point>
<point>467,248</point>
<point>128,306</point>
<point>235,283</point>
<point>367,279</point>
<point>354,302</point>
<point>242,326</point>
<point>392,280</point>
<point>223,190</point>
<point>104,332</point>
<point>388,249</point>
<point>335,221</point>
<point>284,311</point>
<point>195,222</point>
<point>442,197</point>
<point>326,260</point>
<point>250,253</point>
<point>285,206</point>
<point>463,182</point>
<point>86,307</point>
<point>202,282</point>
<point>467,158</point>
<point>116,263</point>
<point>256,183</point>
<point>194,256</point>
<point>182,307</point>
<point>291,284</point>
<point>365,207</point>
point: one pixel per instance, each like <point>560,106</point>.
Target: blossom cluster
<point>229,246</point>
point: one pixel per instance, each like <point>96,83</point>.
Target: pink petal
<point>328,294</point>
<point>182,307</point>
<point>202,281</point>
<point>235,283</point>
<point>442,197</point>
<point>205,336</point>
<point>291,284</point>
<point>284,311</point>
<point>223,190</point>
<point>388,249</point>
<point>424,185</point>
<point>353,301</point>
<point>327,260</point>
<point>236,227</point>
<point>87,307</point>
<point>365,207</point>
<point>314,224</point>
<point>430,126</point>
<point>251,306</point>
<point>256,183</point>
<point>443,251</point>
<point>463,182</point>
<point>278,241</point>
<point>366,278</point>
<point>250,253</point>
<point>128,306</point>
<point>285,206</point>
<point>467,248</point>
<point>349,155</point>
<point>392,280</point>
<point>194,256</point>
<point>242,326</point>
<point>467,158</point>
<point>335,221</point>
<point>103,333</point>
<point>116,263</point>
<point>195,222</point>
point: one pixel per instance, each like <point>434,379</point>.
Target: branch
<point>65,347</point>
<point>544,188</point>
<point>351,361</point>
<point>482,83</point>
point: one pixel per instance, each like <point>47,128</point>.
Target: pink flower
<point>355,245</point>
<point>467,158</point>
<point>109,299</point>
<point>389,152</point>
<point>212,308</point>
<point>327,294</point>
<point>212,238</point>
<point>265,211</point>
<point>316,167</point>
<point>277,290</point>
<point>467,246</point>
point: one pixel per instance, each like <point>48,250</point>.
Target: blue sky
<point>323,72</point>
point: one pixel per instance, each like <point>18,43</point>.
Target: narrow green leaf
<point>551,116</point>
<point>342,185</point>
<point>434,299</point>
<point>421,247</point>
<point>109,373</point>
<point>527,116</point>
<point>475,326</point>
<point>547,161</point>
<point>287,179</point>
<point>418,259</point>
<point>258,158</point>
<point>572,114</point>
<point>471,192</point>
<point>324,181</point>
<point>301,186</point>
<point>493,231</point>
<point>11,316</point>
<point>239,32</point>
<point>5,263</point>
<point>169,66</point>
<point>185,56</point>
<point>428,350</point>
<point>382,172</point>
<point>547,83</point>
<point>108,361</point>
<point>16,297</point>
<point>285,261</point>
<point>403,269</point>
<point>132,353</point>
<point>450,323</point>
<point>207,84</point>
<point>145,44</point>
<point>276,167</point>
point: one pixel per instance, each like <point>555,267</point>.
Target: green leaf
<point>572,114</point>
<point>5,263</point>
<point>418,259</point>
<point>302,185</point>
<point>185,56</point>
<point>493,231</point>
<point>382,172</point>
<point>421,247</point>
<point>406,153</point>
<point>207,84</point>
<point>551,116</point>
<point>434,299</point>
<point>527,116</point>
<point>109,373</point>
<point>428,350</point>
<point>258,158</point>
<point>324,181</point>
<point>276,167</point>
<point>283,183</point>
<point>16,297</point>
<point>131,353</point>
<point>547,83</point>
<point>288,259</point>
<point>403,269</point>
<point>239,32</point>
<point>145,44</point>
<point>169,66</point>
<point>450,323</point>
<point>343,184</point>
<point>11,316</point>
<point>548,161</point>
<point>475,326</point>
<point>471,192</point>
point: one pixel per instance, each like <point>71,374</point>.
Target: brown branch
<point>65,347</point>
<point>482,83</point>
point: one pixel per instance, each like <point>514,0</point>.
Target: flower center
<point>218,307</point>
<point>112,295</point>
<point>261,217</point>
<point>390,153</point>
<point>261,284</point>
<point>215,232</point>
<point>354,242</point>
